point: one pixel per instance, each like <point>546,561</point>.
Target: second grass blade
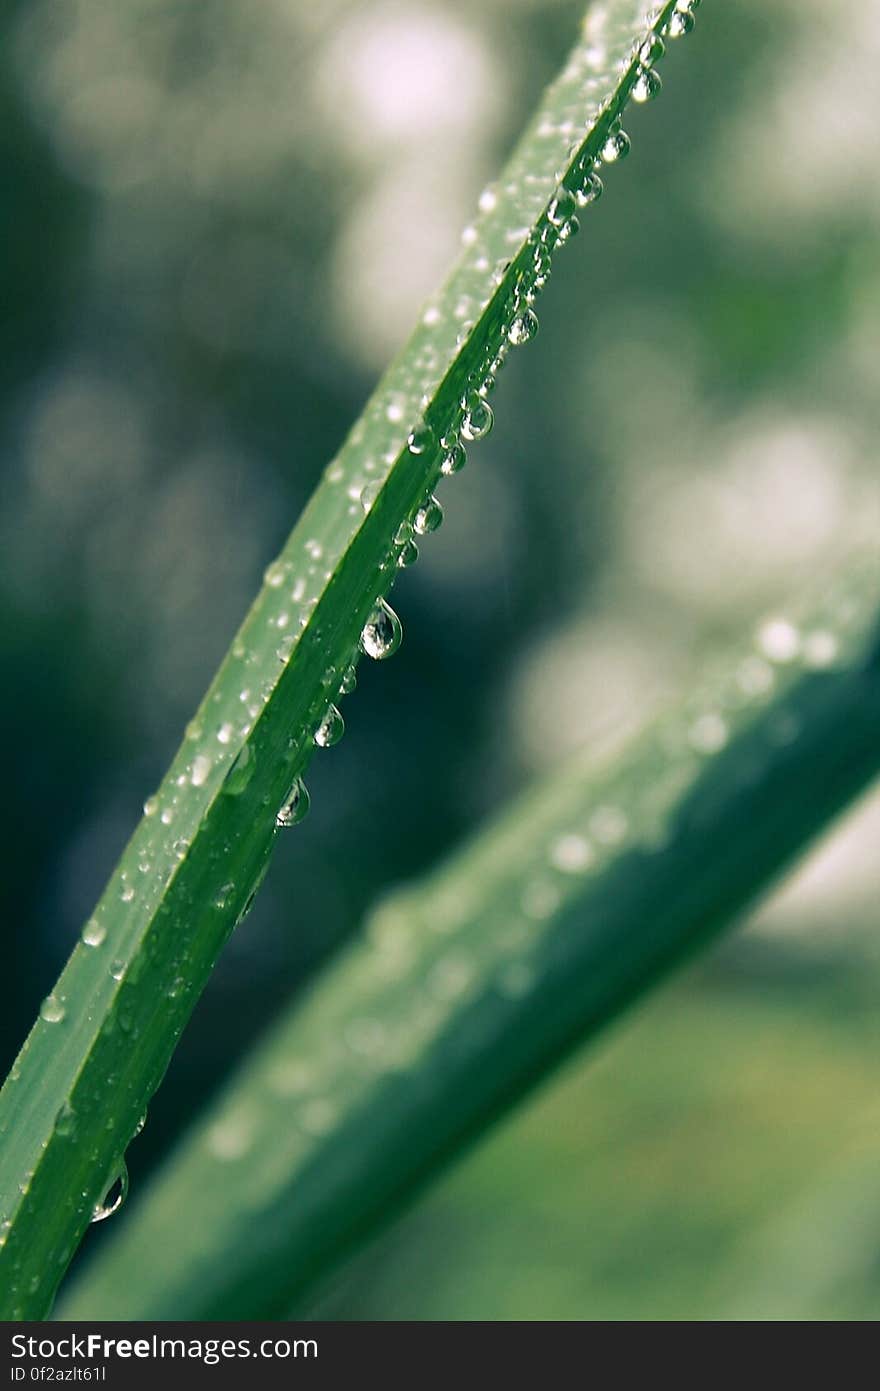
<point>470,986</point>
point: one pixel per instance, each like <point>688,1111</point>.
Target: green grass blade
<point>468,987</point>
<point>95,1056</point>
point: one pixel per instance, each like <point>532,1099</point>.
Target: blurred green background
<point>218,224</point>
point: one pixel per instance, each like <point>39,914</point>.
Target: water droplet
<point>454,459</point>
<point>428,518</point>
<point>241,771</point>
<point>478,418</point>
<point>94,933</point>
<point>681,22</point>
<point>276,573</point>
<point>331,728</point>
<point>117,969</point>
<point>369,492</point>
<point>52,1010</point>
<point>651,50</point>
<point>523,328</point>
<point>779,640</point>
<point>296,806</point>
<point>126,893</point>
<point>349,680</point>
<point>820,649</point>
<point>422,440</point>
<point>116,1194</point>
<point>224,894</point>
<point>151,806</point>
<point>285,647</point>
<point>408,555</point>
<point>616,147</point>
<point>561,207</point>
<point>571,853</point>
<point>646,85</point>
<point>314,549</point>
<point>590,191</point>
<point>200,769</point>
<point>225,733</point>
<point>709,733</point>
<point>382,633</point>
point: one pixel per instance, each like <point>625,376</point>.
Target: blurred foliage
<point>195,312</point>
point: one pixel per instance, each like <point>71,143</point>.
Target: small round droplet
<point>681,22</point>
<point>94,933</point>
<point>276,573</point>
<point>646,85</point>
<point>382,633</point>
<point>296,806</point>
<point>201,767</point>
<point>523,328</point>
<point>151,806</point>
<point>225,733</point>
<point>616,147</point>
<point>349,680</point>
<point>52,1010</point>
<point>114,1197</point>
<point>428,518</point>
<point>454,459</point>
<point>478,418</point>
<point>331,728</point>
<point>590,191</point>
<point>65,1120</point>
<point>422,440</point>
<point>561,207</point>
<point>369,492</point>
<point>651,50</point>
<point>408,555</point>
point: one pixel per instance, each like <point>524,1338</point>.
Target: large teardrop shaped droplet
<point>382,633</point>
<point>115,1196</point>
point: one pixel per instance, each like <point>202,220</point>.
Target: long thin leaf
<point>467,988</point>
<point>105,1035</point>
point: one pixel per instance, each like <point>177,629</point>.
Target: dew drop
<point>428,518</point>
<point>681,22</point>
<point>651,50</point>
<point>820,649</point>
<point>225,732</point>
<point>646,85</point>
<point>349,680</point>
<point>779,640</point>
<point>241,771</point>
<point>523,328</point>
<point>296,806</point>
<point>151,806</point>
<point>369,492</point>
<point>331,728</point>
<point>422,440</point>
<point>478,418</point>
<point>94,933</point>
<point>616,147</point>
<point>115,1196</point>
<point>561,207</point>
<point>571,853</point>
<point>65,1120</point>
<point>454,459</point>
<point>382,633</point>
<point>200,770</point>
<point>590,191</point>
<point>709,733</point>
<point>276,573</point>
<point>408,555</point>
<point>126,893</point>
<point>52,1010</point>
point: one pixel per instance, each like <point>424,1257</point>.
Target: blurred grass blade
<point>82,1083</point>
<point>469,986</point>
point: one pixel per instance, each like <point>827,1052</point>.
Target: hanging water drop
<point>94,933</point>
<point>651,50</point>
<point>616,147</point>
<point>454,459</point>
<point>296,806</point>
<point>408,555</point>
<point>331,728</point>
<point>681,21</point>
<point>382,633</point>
<point>646,85</point>
<point>428,518</point>
<point>523,328</point>
<point>561,207</point>
<point>478,418</point>
<point>115,1196</point>
<point>590,191</point>
<point>349,681</point>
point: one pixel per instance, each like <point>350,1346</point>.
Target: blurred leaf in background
<point>219,225</point>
